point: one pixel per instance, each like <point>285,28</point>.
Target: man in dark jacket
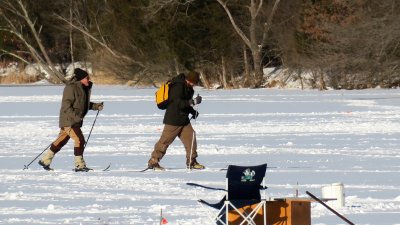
<point>177,122</point>
<point>74,107</point>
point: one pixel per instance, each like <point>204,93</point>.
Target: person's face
<point>85,81</point>
<point>190,83</point>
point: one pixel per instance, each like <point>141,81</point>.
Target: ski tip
<point>145,169</point>
<point>107,168</point>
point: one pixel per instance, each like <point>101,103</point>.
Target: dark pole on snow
<point>330,209</point>
<point>87,140</point>
<point>26,166</point>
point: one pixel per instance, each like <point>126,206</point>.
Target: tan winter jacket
<point>75,104</point>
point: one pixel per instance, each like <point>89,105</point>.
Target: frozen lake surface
<point>309,139</point>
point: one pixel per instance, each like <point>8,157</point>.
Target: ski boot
<point>196,166</point>
<point>45,167</point>
<point>83,169</point>
<point>80,165</point>
<point>46,160</point>
<point>154,165</point>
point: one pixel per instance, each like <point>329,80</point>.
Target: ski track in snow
<point>307,137</point>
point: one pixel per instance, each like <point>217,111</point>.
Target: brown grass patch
<point>275,83</point>
<point>99,77</point>
<point>18,78</point>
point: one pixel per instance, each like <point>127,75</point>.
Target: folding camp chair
<point>242,203</point>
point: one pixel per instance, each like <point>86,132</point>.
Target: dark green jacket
<point>75,104</point>
<point>178,107</point>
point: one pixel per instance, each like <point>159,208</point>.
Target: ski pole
<point>26,166</point>
<point>193,136</point>
<point>330,209</point>
<point>87,140</point>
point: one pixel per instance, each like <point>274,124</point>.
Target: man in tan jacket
<point>74,107</point>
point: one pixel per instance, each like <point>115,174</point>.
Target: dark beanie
<point>193,77</point>
<point>80,74</point>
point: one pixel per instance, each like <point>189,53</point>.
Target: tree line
<point>343,43</point>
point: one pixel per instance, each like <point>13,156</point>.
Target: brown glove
<point>98,106</point>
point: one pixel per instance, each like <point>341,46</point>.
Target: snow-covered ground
<point>308,137</point>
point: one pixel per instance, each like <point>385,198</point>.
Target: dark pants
<point>187,136</point>
<point>65,134</point>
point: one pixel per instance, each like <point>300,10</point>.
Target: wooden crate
<point>288,211</point>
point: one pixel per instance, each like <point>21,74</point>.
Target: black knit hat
<point>80,74</point>
<point>193,77</point>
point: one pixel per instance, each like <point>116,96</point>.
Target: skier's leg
<point>188,138</point>
<point>55,147</point>
<point>160,148</point>
<point>79,144</point>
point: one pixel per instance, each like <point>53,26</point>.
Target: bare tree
<point>257,26</point>
<point>101,41</point>
<point>223,73</point>
<point>246,66</point>
<point>353,45</point>
<point>13,11</point>
<point>70,34</point>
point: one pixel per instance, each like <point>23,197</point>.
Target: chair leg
<point>245,218</point>
<point>265,213</point>
<point>249,217</point>
<point>226,205</point>
<point>252,215</point>
<point>211,217</point>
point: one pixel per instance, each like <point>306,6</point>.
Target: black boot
<point>45,167</point>
<point>83,169</point>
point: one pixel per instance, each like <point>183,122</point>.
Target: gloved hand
<point>99,106</point>
<point>195,114</point>
<point>195,101</point>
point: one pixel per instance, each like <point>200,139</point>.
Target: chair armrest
<point>202,186</point>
